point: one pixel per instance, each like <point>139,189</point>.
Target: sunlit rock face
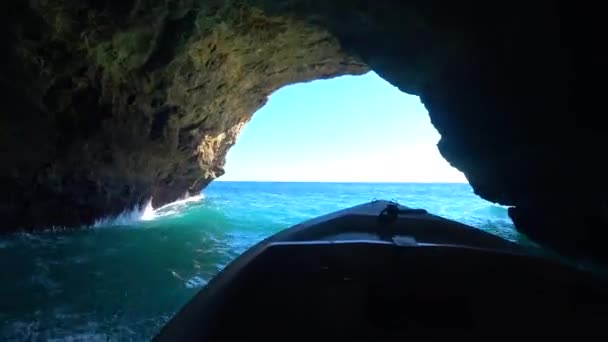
<point>108,103</point>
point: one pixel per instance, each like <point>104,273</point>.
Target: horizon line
<point>335,181</point>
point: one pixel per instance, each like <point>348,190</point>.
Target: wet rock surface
<point>109,103</point>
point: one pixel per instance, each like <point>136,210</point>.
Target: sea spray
<point>125,218</point>
<point>147,212</point>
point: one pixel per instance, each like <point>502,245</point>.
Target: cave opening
<point>345,129</point>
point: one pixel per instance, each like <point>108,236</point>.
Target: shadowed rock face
<point>109,103</point>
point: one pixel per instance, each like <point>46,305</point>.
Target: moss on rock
<point>125,52</point>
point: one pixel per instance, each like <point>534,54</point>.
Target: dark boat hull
<point>376,274</point>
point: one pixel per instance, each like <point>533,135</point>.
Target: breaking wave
<point>147,212</point>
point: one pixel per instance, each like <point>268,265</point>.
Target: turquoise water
<point>123,279</point>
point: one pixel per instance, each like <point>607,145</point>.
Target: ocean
<point>125,277</point>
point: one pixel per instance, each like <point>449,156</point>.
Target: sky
<point>346,129</point>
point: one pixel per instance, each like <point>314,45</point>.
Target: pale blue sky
<point>347,129</point>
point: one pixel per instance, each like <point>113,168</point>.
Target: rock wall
<point>107,103</point>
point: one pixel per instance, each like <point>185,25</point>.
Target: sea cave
<point>110,104</point>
